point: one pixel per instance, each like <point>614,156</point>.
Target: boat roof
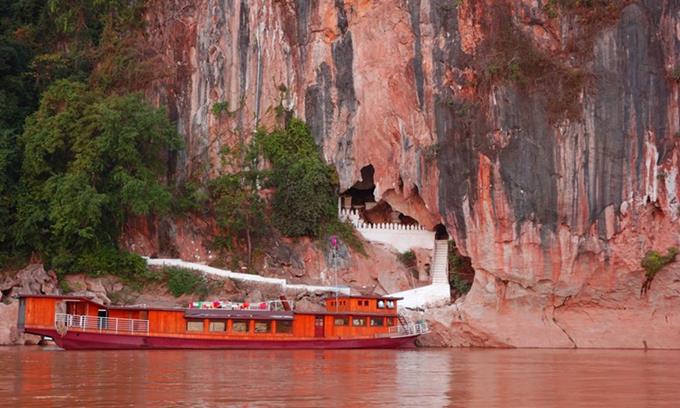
<point>64,297</point>
<point>237,314</point>
<point>217,313</point>
<point>377,297</point>
<point>81,298</point>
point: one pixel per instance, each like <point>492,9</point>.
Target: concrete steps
<point>439,290</point>
<point>440,262</point>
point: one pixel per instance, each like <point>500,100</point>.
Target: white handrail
<point>101,324</point>
<point>409,329</point>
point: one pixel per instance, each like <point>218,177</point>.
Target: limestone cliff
<point>544,134</point>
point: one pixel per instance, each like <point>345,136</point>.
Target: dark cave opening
<point>440,232</point>
<point>361,198</point>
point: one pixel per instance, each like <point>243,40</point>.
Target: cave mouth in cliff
<point>440,232</point>
<point>361,197</point>
<point>361,194</point>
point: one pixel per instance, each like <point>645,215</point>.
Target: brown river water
<point>49,377</point>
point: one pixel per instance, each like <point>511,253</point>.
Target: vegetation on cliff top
<point>90,162</point>
<point>78,152</point>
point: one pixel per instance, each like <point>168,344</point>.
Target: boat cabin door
<point>318,326</point>
<point>102,314</point>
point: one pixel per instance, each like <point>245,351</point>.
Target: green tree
<point>304,199</point>
<point>90,161</point>
<point>239,211</point>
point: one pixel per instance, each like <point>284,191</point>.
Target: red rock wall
<point>555,188</point>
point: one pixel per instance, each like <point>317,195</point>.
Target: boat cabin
<point>344,318</point>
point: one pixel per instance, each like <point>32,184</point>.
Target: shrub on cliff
<point>304,199</point>
<point>653,262</point>
<point>408,258</point>
<point>185,282</point>
<point>459,267</point>
<point>89,161</point>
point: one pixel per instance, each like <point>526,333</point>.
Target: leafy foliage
<point>459,267</point>
<point>239,210</point>
<point>305,186</point>
<point>653,261</point>
<point>110,261</point>
<point>407,258</point>
<point>185,282</point>
<point>220,107</point>
<point>89,162</point>
<point>43,41</point>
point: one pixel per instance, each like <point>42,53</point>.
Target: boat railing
<point>270,305</point>
<point>63,321</point>
<point>409,329</point>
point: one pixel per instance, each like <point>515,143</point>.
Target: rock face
<point>33,280</point>
<point>545,138</point>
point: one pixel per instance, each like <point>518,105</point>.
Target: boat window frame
<point>210,325</point>
<point>269,324</point>
<point>345,319</point>
<point>363,318</point>
<point>372,319</point>
<point>276,327</point>
<point>246,321</point>
<point>190,321</point>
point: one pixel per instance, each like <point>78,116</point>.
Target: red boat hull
<point>83,340</point>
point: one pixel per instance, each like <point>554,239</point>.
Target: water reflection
<point>35,377</point>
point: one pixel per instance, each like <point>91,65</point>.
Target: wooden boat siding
<point>40,312</point>
<point>361,304</point>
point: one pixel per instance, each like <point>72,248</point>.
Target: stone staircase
<point>439,290</point>
<point>439,269</point>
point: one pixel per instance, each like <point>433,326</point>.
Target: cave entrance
<point>440,232</point>
<point>360,195</point>
<point>361,198</point>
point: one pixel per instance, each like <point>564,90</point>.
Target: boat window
<point>284,326</point>
<point>390,304</point>
<point>390,321</point>
<point>381,304</point>
<point>358,321</point>
<point>377,321</point>
<point>263,326</point>
<point>195,325</point>
<point>218,326</point>
<point>341,321</point>
<point>239,326</point>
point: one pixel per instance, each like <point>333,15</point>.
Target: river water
<point>49,377</point>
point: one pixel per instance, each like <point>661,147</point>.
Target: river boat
<point>347,322</point>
